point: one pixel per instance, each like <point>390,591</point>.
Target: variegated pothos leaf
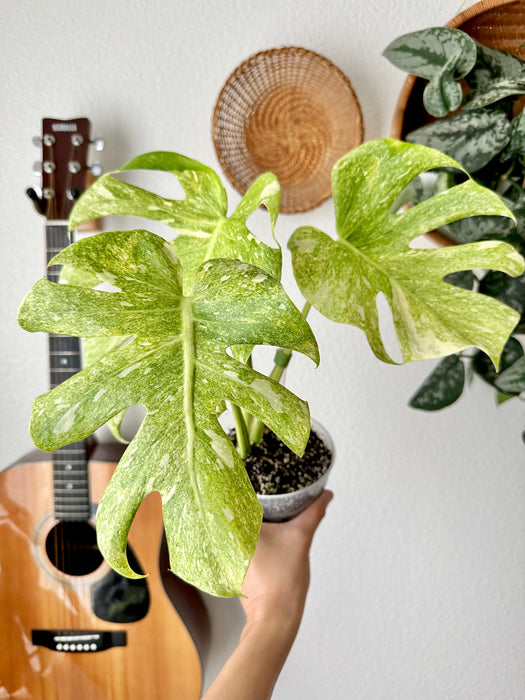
<point>372,255</point>
<point>177,366</point>
<point>472,138</point>
<point>442,55</point>
<point>495,76</point>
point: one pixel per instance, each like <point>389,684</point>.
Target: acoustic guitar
<point>70,627</point>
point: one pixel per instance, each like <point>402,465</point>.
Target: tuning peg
<point>96,169</point>
<point>37,140</point>
<point>37,168</point>
<point>98,144</point>
<point>37,200</point>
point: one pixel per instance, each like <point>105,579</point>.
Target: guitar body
<point>151,653</point>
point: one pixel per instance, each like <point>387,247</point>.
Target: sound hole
<point>72,547</point>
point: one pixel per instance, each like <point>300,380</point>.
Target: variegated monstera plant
<point>474,96</point>
<point>177,334</point>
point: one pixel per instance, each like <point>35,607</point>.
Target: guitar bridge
<point>78,640</point>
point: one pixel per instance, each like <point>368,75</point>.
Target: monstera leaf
<point>441,55</point>
<point>205,232</point>
<point>372,255</point>
<point>177,366</point>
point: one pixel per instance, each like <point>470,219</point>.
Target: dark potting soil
<point>273,468</point>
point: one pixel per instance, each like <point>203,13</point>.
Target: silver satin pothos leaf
<point>441,55</point>
<point>495,76</point>
<point>472,138</point>
<point>178,368</point>
<point>372,255</point>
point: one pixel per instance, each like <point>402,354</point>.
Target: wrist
<point>276,622</point>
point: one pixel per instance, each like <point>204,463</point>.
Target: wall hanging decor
<point>289,111</point>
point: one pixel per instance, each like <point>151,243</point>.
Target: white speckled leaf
<point>94,349</point>
<point>442,387</point>
<point>372,254</point>
<point>177,366</point>
<point>472,138</point>
<point>512,380</point>
<point>496,75</point>
<point>205,232</point>
<point>442,94</point>
<point>442,55</point>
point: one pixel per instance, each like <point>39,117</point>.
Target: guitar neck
<point>64,173</point>
<point>70,463</point>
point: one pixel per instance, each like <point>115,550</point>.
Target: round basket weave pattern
<point>291,112</point>
<point>499,24</point>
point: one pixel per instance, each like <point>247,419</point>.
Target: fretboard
<point>70,464</point>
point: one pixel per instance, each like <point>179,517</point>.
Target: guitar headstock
<point>64,169</point>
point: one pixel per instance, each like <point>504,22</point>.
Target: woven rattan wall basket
<point>291,112</point>
<point>499,24</point>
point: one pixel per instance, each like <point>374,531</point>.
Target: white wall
<point>418,570</point>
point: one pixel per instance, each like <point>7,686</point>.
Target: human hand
<point>277,581</point>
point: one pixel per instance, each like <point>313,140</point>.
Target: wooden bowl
<point>288,111</point>
<point>499,24</point>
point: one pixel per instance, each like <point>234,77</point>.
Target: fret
<point>70,497</point>
<point>66,515</point>
<point>76,480</point>
<point>75,450</point>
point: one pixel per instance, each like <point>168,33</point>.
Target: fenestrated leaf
<point>496,75</point>
<point>512,380</point>
<point>472,138</point>
<point>509,290</point>
<point>205,232</point>
<point>94,350</point>
<point>442,387</point>
<point>372,254</point>
<point>485,369</point>
<point>464,279</point>
<point>177,366</point>
<point>442,55</point>
<point>200,218</point>
<point>476,228</point>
